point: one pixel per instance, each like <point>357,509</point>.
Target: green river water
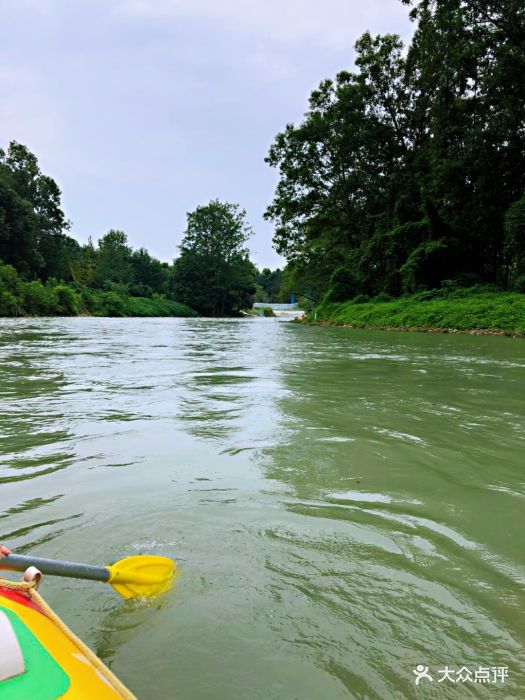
<point>344,505</point>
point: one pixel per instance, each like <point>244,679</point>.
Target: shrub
<point>141,290</point>
<point>66,301</point>
<point>38,300</point>
<point>119,288</point>
<point>9,288</point>
<point>88,299</point>
<point>361,299</point>
<point>110,304</point>
<point>476,290</point>
<point>383,296</point>
<point>9,304</point>
<point>449,285</point>
<point>9,280</point>
<point>519,284</point>
<point>428,295</point>
<point>157,306</point>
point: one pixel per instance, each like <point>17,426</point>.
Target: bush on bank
<point>21,298</point>
<point>475,308</point>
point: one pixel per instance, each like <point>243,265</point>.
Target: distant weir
<point>276,307</point>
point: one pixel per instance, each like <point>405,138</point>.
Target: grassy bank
<point>21,298</point>
<point>464,310</point>
<point>142,306</point>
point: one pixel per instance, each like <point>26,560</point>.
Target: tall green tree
<point>59,254</point>
<point>270,282</point>
<point>401,172</point>
<point>342,168</point>
<point>32,223</point>
<point>149,274</point>
<point>32,185</point>
<point>84,265</point>
<point>515,244</point>
<point>471,105</point>
<point>18,229</point>
<point>213,273</point>
<point>113,260</point>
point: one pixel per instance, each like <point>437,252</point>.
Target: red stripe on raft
<point>19,597</point>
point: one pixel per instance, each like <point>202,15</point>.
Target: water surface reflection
<point>344,504</point>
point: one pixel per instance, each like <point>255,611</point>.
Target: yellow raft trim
<point>90,677</point>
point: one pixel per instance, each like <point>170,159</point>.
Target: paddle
<point>140,576</point>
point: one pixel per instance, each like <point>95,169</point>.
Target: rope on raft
<point>29,588</point>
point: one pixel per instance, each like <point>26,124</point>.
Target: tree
<point>344,168</point>
<point>270,282</point>
<point>515,243</point>
<point>40,190</point>
<point>149,274</point>
<point>83,266</point>
<point>213,273</point>
<point>30,212</point>
<point>113,260</point>
<point>18,230</point>
<point>401,172</point>
<point>59,254</point>
<point>472,151</point>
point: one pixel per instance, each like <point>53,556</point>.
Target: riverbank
<point>461,310</point>
<point>36,299</point>
<point>144,307</point>
<point>19,297</point>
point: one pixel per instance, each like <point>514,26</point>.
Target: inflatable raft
<point>41,659</point>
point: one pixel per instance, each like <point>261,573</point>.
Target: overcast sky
<point>143,109</point>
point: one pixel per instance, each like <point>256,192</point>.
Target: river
<point>344,505</point>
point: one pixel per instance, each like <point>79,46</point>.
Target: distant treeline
<point>20,297</point>
<point>410,171</point>
<point>44,271</point>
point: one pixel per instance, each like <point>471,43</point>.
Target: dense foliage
<point>474,309</point>
<point>268,285</point>
<point>32,223</point>
<point>410,170</point>
<point>36,251</point>
<point>19,297</point>
<point>44,271</point>
<point>213,272</point>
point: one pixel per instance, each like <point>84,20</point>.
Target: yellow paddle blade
<point>143,576</point>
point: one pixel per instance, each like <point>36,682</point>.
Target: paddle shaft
<point>55,567</point>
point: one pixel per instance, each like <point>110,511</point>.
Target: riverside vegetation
<point>44,271</point>
<point>408,175</point>
<point>404,181</point>
<point>478,309</point>
<point>19,297</point>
